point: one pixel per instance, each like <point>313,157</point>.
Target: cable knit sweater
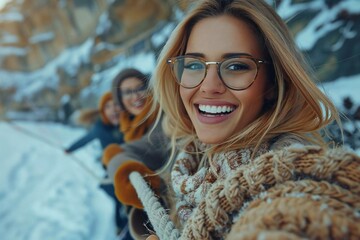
<point>293,192</point>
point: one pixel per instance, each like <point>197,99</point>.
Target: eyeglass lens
<point>129,92</point>
<point>236,73</point>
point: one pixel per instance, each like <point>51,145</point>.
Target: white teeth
<point>137,103</point>
<point>215,109</point>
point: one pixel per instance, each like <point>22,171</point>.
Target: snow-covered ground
<point>46,194</point>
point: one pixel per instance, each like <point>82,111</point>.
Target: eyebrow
<point>226,55</point>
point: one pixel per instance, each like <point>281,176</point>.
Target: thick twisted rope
<point>160,220</point>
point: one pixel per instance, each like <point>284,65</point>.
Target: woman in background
<point>105,129</point>
<point>142,143</point>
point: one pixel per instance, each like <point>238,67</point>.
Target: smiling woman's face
<point>224,112</point>
<point>112,112</point>
<point>133,95</point>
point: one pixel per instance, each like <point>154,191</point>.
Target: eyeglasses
<point>237,73</point>
<point>130,92</point>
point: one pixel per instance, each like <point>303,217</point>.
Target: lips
<point>214,113</point>
<point>215,109</point>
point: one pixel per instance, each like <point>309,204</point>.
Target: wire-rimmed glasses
<point>236,72</point>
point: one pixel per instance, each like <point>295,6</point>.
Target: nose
<point>212,82</point>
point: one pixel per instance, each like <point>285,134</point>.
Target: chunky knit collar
<point>192,176</point>
<point>289,193</point>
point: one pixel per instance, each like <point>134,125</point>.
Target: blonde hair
<point>299,107</point>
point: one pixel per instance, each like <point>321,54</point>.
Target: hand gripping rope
<point>160,220</point>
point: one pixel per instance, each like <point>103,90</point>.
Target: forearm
<point>153,153</point>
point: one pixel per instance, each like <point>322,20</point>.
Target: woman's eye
<point>238,66</point>
<point>194,66</point>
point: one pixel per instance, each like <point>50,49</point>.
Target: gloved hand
<point>125,191</point>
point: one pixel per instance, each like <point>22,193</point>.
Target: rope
<point>160,220</point>
<point>49,143</point>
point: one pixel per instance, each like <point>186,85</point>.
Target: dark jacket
<point>106,134</point>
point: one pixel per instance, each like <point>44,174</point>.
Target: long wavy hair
<point>298,107</point>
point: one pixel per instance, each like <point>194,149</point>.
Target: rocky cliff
<point>35,32</point>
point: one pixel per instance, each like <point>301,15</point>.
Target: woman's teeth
<point>138,103</point>
<point>216,109</point>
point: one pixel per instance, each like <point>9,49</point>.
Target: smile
<point>138,103</point>
<point>215,110</point>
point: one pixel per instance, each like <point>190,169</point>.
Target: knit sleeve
<point>152,150</point>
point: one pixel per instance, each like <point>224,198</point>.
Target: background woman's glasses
<point>128,93</point>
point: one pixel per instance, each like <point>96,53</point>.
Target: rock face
<point>335,27</point>
<point>45,28</point>
<point>35,32</point>
<point>39,30</point>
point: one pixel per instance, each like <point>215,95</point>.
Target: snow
<point>104,24</point>
<point>11,17</point>
<point>341,88</point>
<point>12,51</point>
<point>287,10</point>
<point>70,60</point>
<point>161,36</point>
<point>42,37</point>
<point>347,33</point>
<point>46,194</point>
<point>323,23</point>
<point>102,80</point>
<point>8,38</point>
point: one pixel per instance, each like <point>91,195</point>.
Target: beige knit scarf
<point>192,177</point>
<point>299,192</point>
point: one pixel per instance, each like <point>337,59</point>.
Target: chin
<point>209,140</point>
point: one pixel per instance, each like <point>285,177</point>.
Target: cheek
<point>186,95</point>
<point>125,102</point>
<point>106,111</point>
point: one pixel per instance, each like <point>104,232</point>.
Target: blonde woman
<point>245,121</point>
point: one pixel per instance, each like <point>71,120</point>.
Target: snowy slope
<point>45,194</point>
